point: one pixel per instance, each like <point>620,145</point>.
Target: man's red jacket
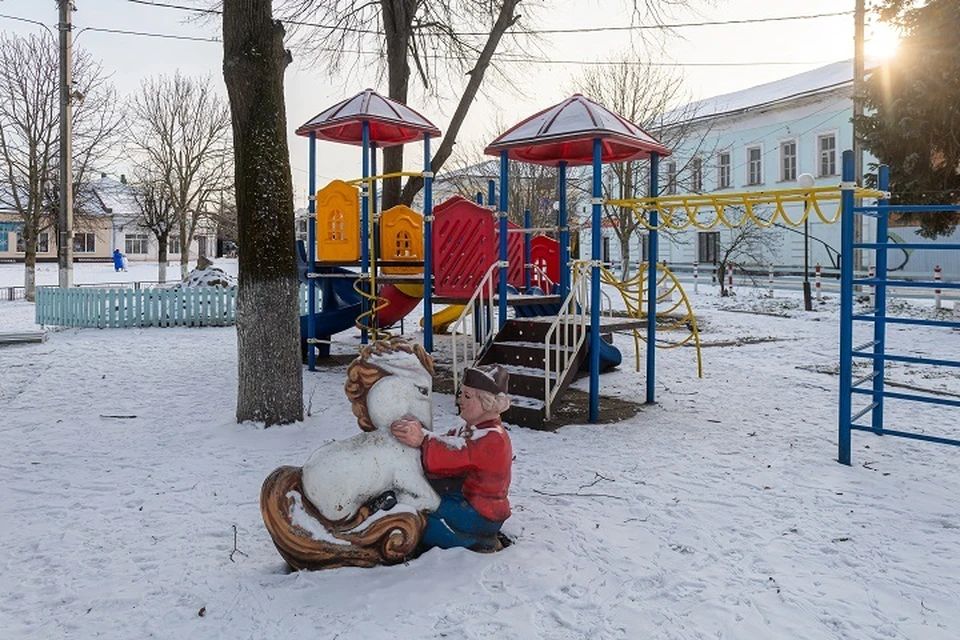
<point>482,456</point>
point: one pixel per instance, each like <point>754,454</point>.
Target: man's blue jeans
<point>457,524</point>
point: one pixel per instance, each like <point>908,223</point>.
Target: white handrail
<point>542,276</point>
<point>570,326</point>
<point>485,324</point>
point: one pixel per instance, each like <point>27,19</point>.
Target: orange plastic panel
<point>338,223</point>
<point>401,239</point>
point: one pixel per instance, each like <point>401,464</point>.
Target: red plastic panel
<point>464,247</point>
<point>545,252</point>
<point>514,256</point>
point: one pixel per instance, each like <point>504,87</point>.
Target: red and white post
<point>730,278</point>
<point>816,283</point>
<point>870,274</point>
<point>696,266</point>
<point>770,282</point>
<point>936,292</point>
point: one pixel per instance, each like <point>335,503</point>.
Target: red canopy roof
<point>391,122</point>
<point>565,133</point>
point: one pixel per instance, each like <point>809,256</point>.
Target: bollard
<point>870,274</point>
<point>770,288</point>
<point>695,265</point>
<point>936,292</point>
<point>817,283</point>
<point>730,278</point>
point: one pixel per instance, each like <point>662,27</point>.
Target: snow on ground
<point>130,498</point>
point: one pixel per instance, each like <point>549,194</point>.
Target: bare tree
<point>744,246</point>
<point>645,95</point>
<point>180,133</point>
<point>157,214</point>
<point>270,374</point>
<point>30,134</point>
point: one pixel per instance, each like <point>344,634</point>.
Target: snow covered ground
<point>129,505</point>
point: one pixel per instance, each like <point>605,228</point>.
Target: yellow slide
<point>445,317</point>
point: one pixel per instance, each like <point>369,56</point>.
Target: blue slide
<point>340,302</point>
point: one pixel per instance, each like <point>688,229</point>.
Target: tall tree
<point>646,96</point>
<point>913,124</point>
<point>179,132</point>
<point>157,214</point>
<point>270,374</point>
<point>30,134</point>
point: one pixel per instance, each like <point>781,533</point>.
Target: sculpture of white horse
<point>388,381</point>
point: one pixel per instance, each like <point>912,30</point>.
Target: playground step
<point>523,354</point>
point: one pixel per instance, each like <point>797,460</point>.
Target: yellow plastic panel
<point>401,239</point>
<point>338,223</point>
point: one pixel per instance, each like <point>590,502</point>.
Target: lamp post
<point>805,180</point>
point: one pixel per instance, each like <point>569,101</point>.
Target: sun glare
<point>881,42</point>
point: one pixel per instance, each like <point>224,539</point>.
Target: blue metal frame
<point>652,260</point>
<point>365,223</point>
<point>526,250</point>
<point>502,290</point>
<point>312,252</point>
<point>595,282</point>
<point>876,348</point>
<point>564,234</point>
<point>427,247</point>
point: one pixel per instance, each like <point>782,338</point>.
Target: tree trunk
<point>270,374</point>
<point>30,233</point>
<point>184,247</point>
<point>162,257</point>
<point>625,256</point>
<point>397,25</point>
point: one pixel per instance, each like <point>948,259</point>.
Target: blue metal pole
<point>652,260</point>
<point>526,250</point>
<point>427,247</point>
<point>564,235</point>
<point>880,324</point>
<point>312,252</point>
<point>502,291</point>
<point>595,283</point>
<point>491,192</point>
<point>846,306</point>
<point>374,248</point>
<point>365,223</point>
<point>479,198</point>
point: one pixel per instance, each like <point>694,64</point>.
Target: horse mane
<point>362,374</point>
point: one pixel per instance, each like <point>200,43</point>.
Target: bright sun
<point>881,42</point>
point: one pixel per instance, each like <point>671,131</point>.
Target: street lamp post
<point>805,180</point>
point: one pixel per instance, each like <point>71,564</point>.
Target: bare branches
<point>180,136</point>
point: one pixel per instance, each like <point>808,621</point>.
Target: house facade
<point>764,138</point>
<point>107,217</point>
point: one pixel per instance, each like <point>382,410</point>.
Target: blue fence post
<point>880,317</point>
<point>846,306</point>
<point>312,253</point>
<point>365,230</point>
<point>526,250</point>
<point>562,222</point>
<point>502,290</point>
<point>427,247</point>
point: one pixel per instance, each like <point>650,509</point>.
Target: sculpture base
<point>288,516</point>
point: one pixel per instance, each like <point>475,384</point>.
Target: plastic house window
<point>336,227</point>
<point>404,245</point>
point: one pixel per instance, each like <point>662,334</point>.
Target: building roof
<point>108,196</point>
<point>565,133</point>
<point>824,79</point>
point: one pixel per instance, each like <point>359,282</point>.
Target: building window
<point>827,149</point>
<point>43,243</point>
<point>173,245</point>
<point>4,241</point>
<point>671,178</point>
<point>754,166</point>
<point>696,175</point>
<point>723,173</point>
<point>708,247</point>
<point>788,161</point>
<point>303,229</point>
<point>605,249</point>
<point>84,243</point>
<point>135,243</point>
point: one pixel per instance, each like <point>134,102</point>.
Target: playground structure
<point>471,258</point>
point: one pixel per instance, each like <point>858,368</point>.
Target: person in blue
<point>117,260</point>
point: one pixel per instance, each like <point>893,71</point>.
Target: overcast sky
<point>796,46</point>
